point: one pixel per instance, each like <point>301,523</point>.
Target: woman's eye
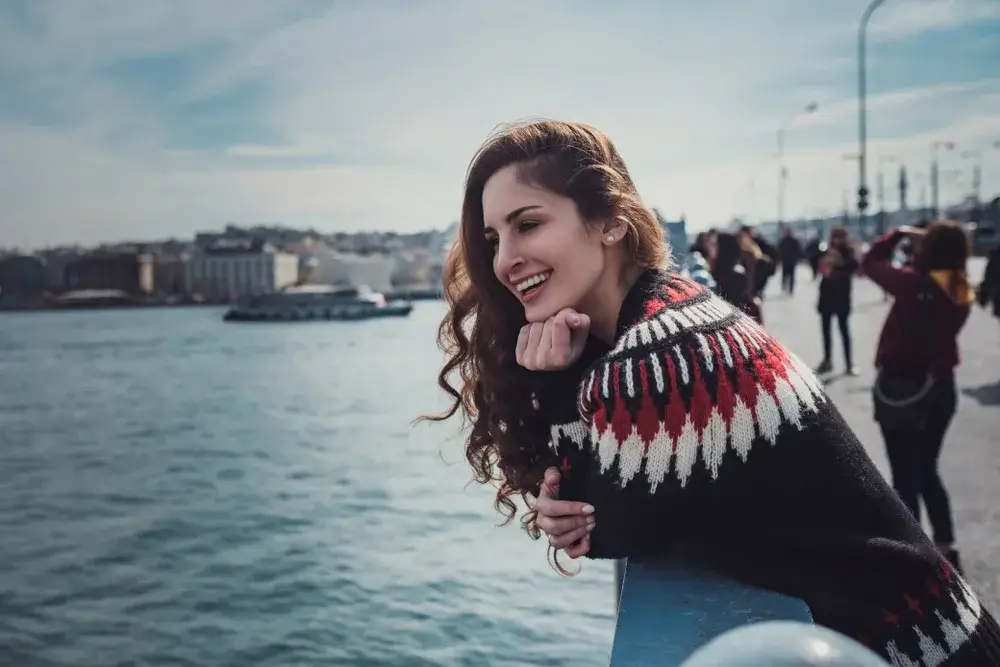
<point>527,225</point>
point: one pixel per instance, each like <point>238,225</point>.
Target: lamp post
<point>977,168</point>
<point>782,171</point>
<point>935,177</point>
<point>880,190</point>
<point>863,112</point>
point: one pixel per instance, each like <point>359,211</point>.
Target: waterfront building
<point>230,268</point>
<point>128,272</point>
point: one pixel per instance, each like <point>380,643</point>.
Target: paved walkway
<point>971,459</point>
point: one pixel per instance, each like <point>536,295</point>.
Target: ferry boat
<point>316,302</point>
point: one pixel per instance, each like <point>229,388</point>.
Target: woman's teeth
<point>533,281</point>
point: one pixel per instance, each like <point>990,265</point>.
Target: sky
<point>127,121</point>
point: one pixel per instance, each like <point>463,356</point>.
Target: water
<point>175,490</point>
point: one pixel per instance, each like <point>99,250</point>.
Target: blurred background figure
<point>988,292</point>
<point>760,259</point>
<point>731,277</point>
<point>700,255</point>
<point>837,267</point>
<point>790,251</point>
<point>918,352</point>
<point>814,250</point>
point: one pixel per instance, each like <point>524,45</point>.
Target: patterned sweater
<point>699,433</point>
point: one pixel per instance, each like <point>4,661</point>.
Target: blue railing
<point>674,615</point>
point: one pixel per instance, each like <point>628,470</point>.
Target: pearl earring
<point>611,238</point>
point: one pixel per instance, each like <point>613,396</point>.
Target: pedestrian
<point>638,414</point>
<point>915,397</point>
<point>988,291</point>
<point>699,258</point>
<point>790,251</point>
<point>731,276</point>
<point>837,266</point>
<point>814,250</point>
<point>760,259</point>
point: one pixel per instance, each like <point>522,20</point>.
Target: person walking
<point>790,251</point>
<point>988,292</point>
<point>837,266</point>
<point>914,393</point>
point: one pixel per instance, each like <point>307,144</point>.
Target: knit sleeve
<point>672,431</point>
<point>554,393</point>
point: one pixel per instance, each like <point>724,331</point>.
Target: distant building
<point>233,267</point>
<point>330,267</point>
<point>131,273</point>
<point>676,233</point>
<point>169,273</point>
<point>22,280</point>
<point>417,266</point>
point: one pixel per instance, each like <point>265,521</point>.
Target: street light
<point>935,145</point>
<point>863,113</point>
<point>880,184</point>
<point>782,172</point>
<point>977,163</point>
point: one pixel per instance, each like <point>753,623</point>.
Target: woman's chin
<point>539,311</point>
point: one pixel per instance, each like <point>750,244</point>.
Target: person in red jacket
<point>919,343</point>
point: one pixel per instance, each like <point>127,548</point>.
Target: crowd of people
<point>924,270</point>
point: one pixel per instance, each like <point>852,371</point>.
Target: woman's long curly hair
<point>508,440</point>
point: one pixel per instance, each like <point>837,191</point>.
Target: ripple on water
<point>177,491</point>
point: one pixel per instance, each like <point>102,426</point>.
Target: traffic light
<point>862,198</point>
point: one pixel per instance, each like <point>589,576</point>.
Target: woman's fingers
<point>522,345</point>
<point>563,541</point>
<point>559,526</point>
<point>550,507</point>
<point>580,548</point>
<point>566,539</point>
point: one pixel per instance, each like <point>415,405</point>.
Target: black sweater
<point>699,431</point>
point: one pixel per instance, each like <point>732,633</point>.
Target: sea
<point>179,491</point>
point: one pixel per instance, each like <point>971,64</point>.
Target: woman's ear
<point>615,230</point>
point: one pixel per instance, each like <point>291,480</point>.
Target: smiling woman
<point>550,220</point>
<point>640,415</point>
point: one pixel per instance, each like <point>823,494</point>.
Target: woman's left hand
<point>567,523</point>
<point>553,345</point>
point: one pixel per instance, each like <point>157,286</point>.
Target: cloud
<point>901,19</point>
<point>164,117</point>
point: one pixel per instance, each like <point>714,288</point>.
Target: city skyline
<point>154,120</point>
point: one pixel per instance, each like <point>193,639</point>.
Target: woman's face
<point>543,251</point>
<point>711,246</point>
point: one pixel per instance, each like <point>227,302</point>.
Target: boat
<point>317,302</point>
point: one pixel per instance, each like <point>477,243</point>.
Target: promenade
<point>970,463</point>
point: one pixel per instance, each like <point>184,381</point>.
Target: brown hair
<point>508,439</point>
<point>944,246</point>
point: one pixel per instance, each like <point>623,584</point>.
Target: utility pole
<point>863,113</point>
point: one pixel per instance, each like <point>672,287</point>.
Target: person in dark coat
<point>731,280</point>
<point>988,292</point>
<point>814,250</point>
<point>760,258</point>
<point>837,266</point>
<point>790,251</point>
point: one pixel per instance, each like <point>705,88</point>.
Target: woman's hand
<point>555,344</point>
<point>912,232</point>
<point>568,524</point>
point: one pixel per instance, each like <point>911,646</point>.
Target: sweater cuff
<point>554,394</point>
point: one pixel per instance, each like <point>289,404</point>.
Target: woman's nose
<point>507,259</point>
